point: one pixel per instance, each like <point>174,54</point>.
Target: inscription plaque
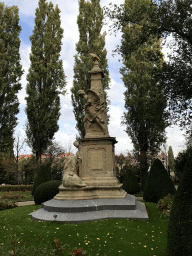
<point>96,161</point>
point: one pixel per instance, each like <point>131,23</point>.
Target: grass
<point>20,235</point>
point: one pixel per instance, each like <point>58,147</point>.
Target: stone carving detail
<point>95,110</point>
<point>72,164</point>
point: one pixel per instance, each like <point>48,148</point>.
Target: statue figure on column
<point>94,110</point>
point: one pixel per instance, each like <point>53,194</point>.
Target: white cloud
<point>175,139</point>
<point>66,138</point>
<point>116,92</point>
<point>67,113</point>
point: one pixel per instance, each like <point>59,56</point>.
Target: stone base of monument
<point>75,211</point>
<point>90,192</point>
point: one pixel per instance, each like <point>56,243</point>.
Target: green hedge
<point>46,191</point>
<point>7,188</point>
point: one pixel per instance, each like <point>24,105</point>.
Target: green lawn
<point>106,237</point>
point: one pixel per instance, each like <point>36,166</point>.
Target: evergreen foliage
<point>45,78</point>
<point>180,224</point>
<point>90,21</point>
<point>130,183</point>
<point>180,162</point>
<point>146,117</point>
<point>10,74</point>
<point>171,160</point>
<point>56,172</point>
<point>46,191</point>
<point>158,183</point>
<point>44,174</point>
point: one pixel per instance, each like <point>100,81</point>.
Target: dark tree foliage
<point>180,162</point>
<point>166,18</point>
<point>180,224</point>
<point>158,183</point>
<point>45,77</point>
<point>90,21</point>
<point>146,117</point>
<point>10,74</point>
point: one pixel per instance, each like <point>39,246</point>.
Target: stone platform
<point>76,211</point>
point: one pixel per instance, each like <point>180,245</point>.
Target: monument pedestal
<point>90,192</point>
<point>97,171</point>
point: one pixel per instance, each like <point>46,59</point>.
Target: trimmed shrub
<point>130,183</point>
<point>46,191</point>
<point>56,172</point>
<point>180,221</point>
<point>158,183</point>
<point>43,175</point>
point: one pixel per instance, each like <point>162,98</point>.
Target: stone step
<point>90,210</point>
<point>128,203</point>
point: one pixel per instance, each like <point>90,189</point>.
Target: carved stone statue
<point>70,170</point>
<point>78,157</point>
<point>94,110</point>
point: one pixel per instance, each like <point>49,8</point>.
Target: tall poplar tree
<point>10,74</point>
<point>171,160</point>
<point>167,18</point>
<point>45,78</point>
<point>90,21</point>
<point>145,118</point>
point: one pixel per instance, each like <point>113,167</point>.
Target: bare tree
<point>53,150</point>
<point>19,143</point>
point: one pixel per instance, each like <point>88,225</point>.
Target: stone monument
<point>95,156</point>
<point>90,190</point>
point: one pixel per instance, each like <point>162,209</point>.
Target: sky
<point>66,134</point>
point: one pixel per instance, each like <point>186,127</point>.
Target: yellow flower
<point>145,246</point>
<point>57,228</point>
<point>77,234</point>
<point>98,238</point>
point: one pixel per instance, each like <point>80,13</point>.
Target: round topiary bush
<point>158,183</point>
<point>44,174</point>
<point>130,183</point>
<point>180,221</point>
<point>46,191</point>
